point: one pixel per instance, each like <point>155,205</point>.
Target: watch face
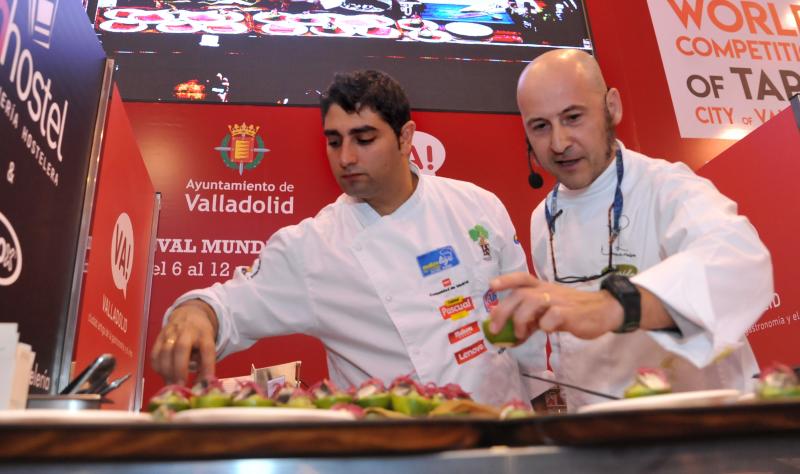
<point>629,297</point>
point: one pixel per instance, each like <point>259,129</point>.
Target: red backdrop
<point>110,318</point>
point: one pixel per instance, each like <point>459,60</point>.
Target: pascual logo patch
<point>456,308</point>
<point>122,252</point>
<point>10,253</point>
<point>242,148</point>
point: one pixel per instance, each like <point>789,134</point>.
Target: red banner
<point>113,303</point>
<point>759,172</point>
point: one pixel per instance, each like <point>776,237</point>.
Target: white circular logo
<point>122,252</point>
<point>427,152</point>
<point>10,253</point>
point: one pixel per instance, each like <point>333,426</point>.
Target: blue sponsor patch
<point>437,260</point>
<point>490,300</point>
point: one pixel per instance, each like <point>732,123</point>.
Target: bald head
<point>569,115</point>
<point>559,66</point>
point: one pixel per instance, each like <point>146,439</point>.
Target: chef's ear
<point>614,105</point>
<point>406,137</point>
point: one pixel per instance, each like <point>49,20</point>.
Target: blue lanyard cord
<point>616,206</point>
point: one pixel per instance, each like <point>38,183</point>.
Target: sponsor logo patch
<point>456,308</point>
<point>10,253</point>
<point>463,332</point>
<point>437,260</point>
<point>451,287</point>
<point>490,300</point>
<point>470,352</point>
<point>480,235</point>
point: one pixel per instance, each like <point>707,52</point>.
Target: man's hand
<point>188,335</point>
<point>537,305</point>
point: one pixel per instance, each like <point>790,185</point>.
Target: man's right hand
<point>189,335</point>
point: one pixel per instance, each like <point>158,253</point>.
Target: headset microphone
<point>534,179</point>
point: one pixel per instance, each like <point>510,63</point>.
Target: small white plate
<point>700,398</point>
<point>405,23</point>
<point>380,32</point>
<point>210,16</point>
<point>224,28</point>
<point>232,16</point>
<point>438,36</point>
<point>122,13</point>
<point>259,415</point>
<point>313,19</point>
<point>72,417</point>
<point>283,28</point>
<point>266,17</point>
<point>123,26</point>
<point>153,16</point>
<point>341,30</point>
<point>178,26</point>
<point>469,30</point>
<point>365,21</point>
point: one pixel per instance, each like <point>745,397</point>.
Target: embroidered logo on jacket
<point>451,286</point>
<point>480,235</point>
<point>463,332</point>
<point>457,308</point>
<point>490,300</point>
<point>437,260</point>
<point>470,352</point>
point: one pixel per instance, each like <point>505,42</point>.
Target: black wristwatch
<point>629,297</point>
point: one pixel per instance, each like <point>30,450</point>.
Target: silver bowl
<point>65,402</point>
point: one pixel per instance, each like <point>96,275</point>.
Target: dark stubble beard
<point>611,136</point>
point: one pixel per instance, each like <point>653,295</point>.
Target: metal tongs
<point>94,378</point>
<point>574,387</point>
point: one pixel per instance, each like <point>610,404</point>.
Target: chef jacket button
<point>388,298</point>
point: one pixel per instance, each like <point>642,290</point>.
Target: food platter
<point>700,398</point>
<point>228,415</point>
<point>71,417</point>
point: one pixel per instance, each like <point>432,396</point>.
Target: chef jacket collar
<point>366,215</point>
<point>604,183</point>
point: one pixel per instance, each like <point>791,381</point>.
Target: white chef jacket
<point>687,245</point>
<point>387,296</point>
